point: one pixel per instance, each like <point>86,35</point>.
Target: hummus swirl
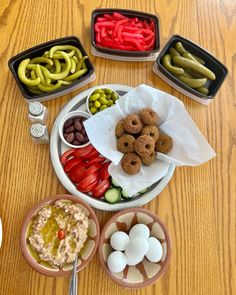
<point>44,240</point>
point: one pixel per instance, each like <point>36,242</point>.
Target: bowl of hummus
<point>56,231</point>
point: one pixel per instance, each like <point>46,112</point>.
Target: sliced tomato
<point>81,152</point>
<point>87,181</point>
<point>66,155</point>
<point>102,187</point>
<point>95,160</point>
<point>77,172</point>
<point>103,172</point>
<point>91,155</point>
<point>93,168</point>
<point>89,188</point>
<point>93,185</point>
<point>71,163</point>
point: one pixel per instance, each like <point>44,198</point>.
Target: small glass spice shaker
<point>39,133</point>
<point>37,112</point>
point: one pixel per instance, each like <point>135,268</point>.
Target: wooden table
<point>198,205</point>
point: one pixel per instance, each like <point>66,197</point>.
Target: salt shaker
<point>39,133</point>
<point>37,112</point>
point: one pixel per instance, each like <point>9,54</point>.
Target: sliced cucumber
<point>113,195</point>
<point>114,182</point>
<point>143,191</point>
<point>125,195</point>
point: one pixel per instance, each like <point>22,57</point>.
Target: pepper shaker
<point>37,112</point>
<point>39,133</point>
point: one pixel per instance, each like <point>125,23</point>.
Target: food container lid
<point>38,50</point>
<point>35,108</point>
<point>37,130</point>
<point>180,89</point>
<point>150,57</point>
<point>124,55</point>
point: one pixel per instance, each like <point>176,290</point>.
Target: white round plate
<point>57,147</point>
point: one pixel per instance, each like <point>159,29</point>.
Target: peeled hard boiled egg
<point>119,240</point>
<point>136,248</point>
<point>134,261</point>
<point>155,250</point>
<point>116,261</point>
<point>139,230</point>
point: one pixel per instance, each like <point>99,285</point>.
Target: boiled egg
<point>139,230</point>
<point>119,240</point>
<point>116,261</point>
<point>136,248</point>
<point>155,250</point>
<point>134,261</point>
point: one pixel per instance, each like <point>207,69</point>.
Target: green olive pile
<point>61,65</point>
<point>188,68</point>
<point>101,99</point>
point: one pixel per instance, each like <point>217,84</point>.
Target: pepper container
<point>39,133</point>
<point>37,112</point>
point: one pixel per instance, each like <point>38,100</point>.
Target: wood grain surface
<point>199,204</point>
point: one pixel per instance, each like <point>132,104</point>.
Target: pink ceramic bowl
<point>85,255</point>
<point>146,272</point>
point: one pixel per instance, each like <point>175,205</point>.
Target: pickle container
<point>211,62</point>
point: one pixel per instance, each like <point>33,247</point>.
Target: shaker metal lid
<point>37,130</point>
<point>35,108</point>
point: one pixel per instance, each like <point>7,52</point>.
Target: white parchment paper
<point>189,146</point>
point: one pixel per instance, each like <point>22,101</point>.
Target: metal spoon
<point>74,280</point>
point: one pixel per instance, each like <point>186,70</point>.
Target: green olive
<point>108,91</point>
<point>90,104</point>
<point>114,96</point>
<point>93,110</point>
<point>94,97</point>
<point>97,104</point>
<point>103,100</point>
<point>103,107</point>
<point>103,95</point>
<point>98,91</point>
<point>110,102</point>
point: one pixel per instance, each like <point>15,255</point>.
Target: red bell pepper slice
<point>98,37</point>
<point>145,24</point>
<point>139,25</point>
<point>132,35</point>
<point>130,29</point>
<point>118,15</point>
<point>150,45</point>
<point>71,163</point>
<point>77,172</point>
<point>119,23</point>
<point>149,38</point>
<point>107,16</point>
<point>87,181</point>
<point>66,155</point>
<point>98,25</point>
<point>101,19</point>
<point>103,172</point>
<point>135,42</point>
<point>103,33</point>
<point>152,26</point>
